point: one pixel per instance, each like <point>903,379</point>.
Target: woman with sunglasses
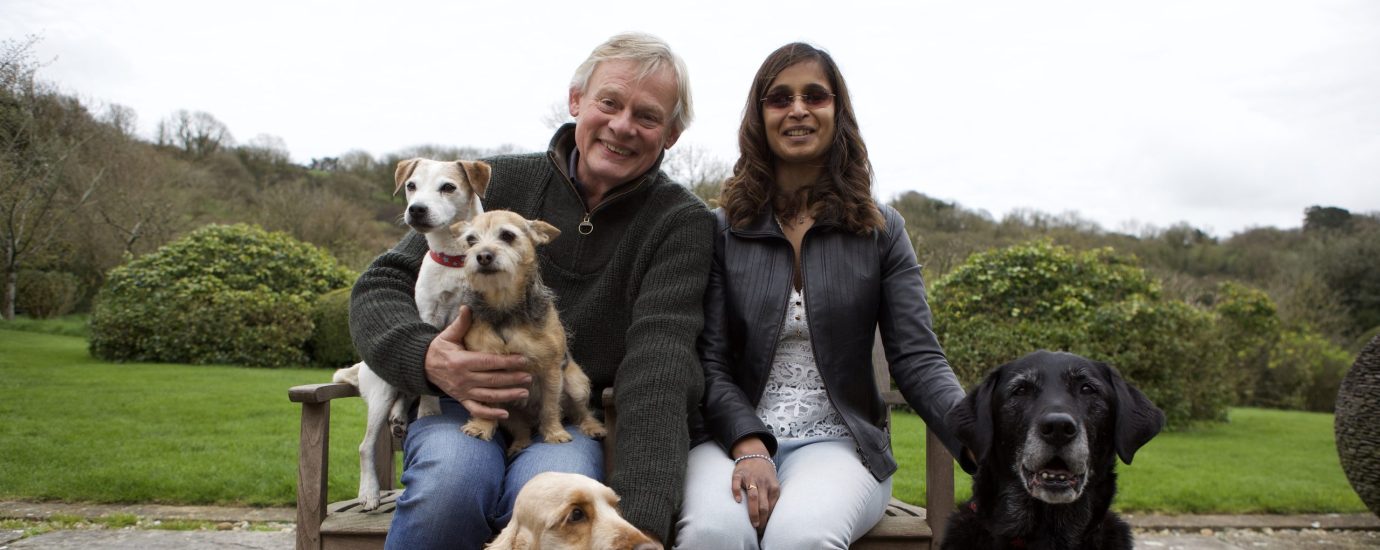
<point>806,267</point>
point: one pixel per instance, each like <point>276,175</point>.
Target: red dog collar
<point>448,260</point>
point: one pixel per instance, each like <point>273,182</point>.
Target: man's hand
<point>474,378</point>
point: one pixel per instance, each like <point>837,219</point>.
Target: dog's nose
<point>416,210</point>
<point>484,258</point>
<point>1058,428</point>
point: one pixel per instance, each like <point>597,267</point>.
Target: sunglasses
<point>813,100</point>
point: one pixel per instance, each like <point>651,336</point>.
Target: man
<point>628,271</point>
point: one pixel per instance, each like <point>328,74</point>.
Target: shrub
<point>1249,324</point>
<point>46,294</point>
<point>223,294</point>
<point>330,345</point>
<point>1002,304</point>
<point>1304,373</point>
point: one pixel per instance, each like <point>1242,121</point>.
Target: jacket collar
<point>764,224</point>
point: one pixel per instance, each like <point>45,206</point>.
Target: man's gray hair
<point>651,54</point>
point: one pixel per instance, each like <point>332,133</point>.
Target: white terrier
<point>439,194</point>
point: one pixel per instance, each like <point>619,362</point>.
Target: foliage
<point>47,294</point>
<point>223,294</point>
<point>1304,373</point>
<point>330,344</point>
<point>1250,328</point>
<point>1002,304</point>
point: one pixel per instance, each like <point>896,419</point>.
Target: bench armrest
<point>321,393</point>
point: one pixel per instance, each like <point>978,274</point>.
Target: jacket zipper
<point>809,322</point>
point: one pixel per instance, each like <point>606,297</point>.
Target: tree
<point>1322,218</point>
<point>198,134</point>
<point>41,187</point>
<point>697,169</point>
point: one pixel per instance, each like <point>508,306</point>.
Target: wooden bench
<point>344,526</point>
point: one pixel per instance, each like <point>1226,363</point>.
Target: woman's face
<point>798,114</point>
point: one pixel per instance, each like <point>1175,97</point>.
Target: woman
<point>806,267</point>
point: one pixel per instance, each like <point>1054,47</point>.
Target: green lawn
<point>82,430</point>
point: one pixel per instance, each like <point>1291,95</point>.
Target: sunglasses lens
<point>817,99</point>
<point>780,101</point>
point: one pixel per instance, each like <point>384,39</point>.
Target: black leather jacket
<point>853,284</point>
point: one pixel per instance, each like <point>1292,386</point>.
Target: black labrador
<point>1046,430</point>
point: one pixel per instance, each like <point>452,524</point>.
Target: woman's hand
<point>755,477</point>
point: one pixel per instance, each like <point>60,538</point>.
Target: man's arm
<point>660,379</point>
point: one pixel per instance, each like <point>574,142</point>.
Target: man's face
<point>621,123</point>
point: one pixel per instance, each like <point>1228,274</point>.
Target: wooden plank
<point>939,484</point>
<point>313,451</point>
<point>321,393</point>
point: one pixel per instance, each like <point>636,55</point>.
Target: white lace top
<point>795,403</point>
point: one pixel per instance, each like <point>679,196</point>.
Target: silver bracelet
<point>763,457</point>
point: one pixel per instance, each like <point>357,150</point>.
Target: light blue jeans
<point>460,489</point>
<point>828,499</point>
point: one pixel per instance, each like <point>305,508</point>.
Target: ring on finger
<point>752,487</point>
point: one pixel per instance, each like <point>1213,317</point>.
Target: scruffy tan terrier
<point>514,313</point>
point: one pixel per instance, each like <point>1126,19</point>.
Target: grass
<point>67,325</point>
<point>1262,461</point>
<point>78,429</point>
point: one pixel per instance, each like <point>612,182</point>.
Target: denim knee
<point>454,484</point>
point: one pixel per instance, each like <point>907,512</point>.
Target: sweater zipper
<point>586,225</point>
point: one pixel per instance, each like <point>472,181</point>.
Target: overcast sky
<point>1223,114</point>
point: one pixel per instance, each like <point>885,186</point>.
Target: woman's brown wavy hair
<point>844,190</point>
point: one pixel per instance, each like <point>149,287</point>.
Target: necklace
<point>799,220</point>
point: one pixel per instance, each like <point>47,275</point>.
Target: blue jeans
<point>460,489</point>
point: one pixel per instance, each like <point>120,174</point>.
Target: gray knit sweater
<point>630,293</point>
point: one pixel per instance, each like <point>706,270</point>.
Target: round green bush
<point>46,294</point>
<point>330,345</point>
<point>1002,304</point>
<point>222,294</point>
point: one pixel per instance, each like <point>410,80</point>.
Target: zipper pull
<point>585,226</point>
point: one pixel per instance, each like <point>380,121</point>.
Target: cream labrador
<point>560,511</point>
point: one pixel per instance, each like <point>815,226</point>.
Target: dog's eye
<point>411,186</point>
<point>1021,389</point>
<point>1087,389</point>
<point>507,236</point>
<point>448,188</point>
<point>577,514</point>
<point>471,239</point>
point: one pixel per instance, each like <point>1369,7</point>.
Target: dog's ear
<point>403,172</point>
<point>477,172</point>
<point>971,422</point>
<point>511,538</point>
<point>1137,419</point>
<point>542,232</point>
<point>459,227</point>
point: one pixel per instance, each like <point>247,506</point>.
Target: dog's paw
<point>554,436</point>
<point>476,428</point>
<point>398,429</point>
<point>371,502</point>
<point>593,428</point>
